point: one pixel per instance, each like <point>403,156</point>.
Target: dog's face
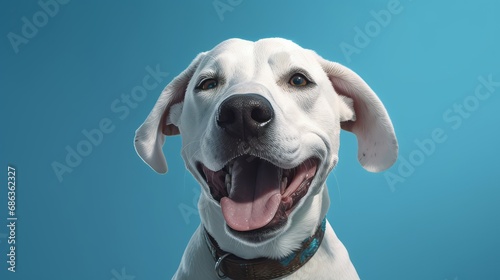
<point>260,124</point>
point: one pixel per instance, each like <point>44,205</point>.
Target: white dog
<point>260,124</point>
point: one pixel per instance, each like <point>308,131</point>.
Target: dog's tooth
<point>228,182</point>
<point>284,183</point>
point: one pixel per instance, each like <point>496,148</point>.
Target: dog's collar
<point>229,265</point>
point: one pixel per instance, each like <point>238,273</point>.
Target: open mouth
<point>256,195</point>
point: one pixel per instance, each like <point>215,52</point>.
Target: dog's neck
<point>234,267</point>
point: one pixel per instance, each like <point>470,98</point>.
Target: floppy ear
<point>150,136</point>
<point>363,114</point>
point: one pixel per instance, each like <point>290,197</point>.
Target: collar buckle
<point>218,270</point>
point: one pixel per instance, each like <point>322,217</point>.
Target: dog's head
<point>260,124</point>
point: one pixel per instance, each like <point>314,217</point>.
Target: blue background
<point>113,217</point>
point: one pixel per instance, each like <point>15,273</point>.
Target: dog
<point>260,125</point>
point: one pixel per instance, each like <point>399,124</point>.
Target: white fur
<point>307,121</point>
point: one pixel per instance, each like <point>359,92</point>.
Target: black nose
<point>245,116</point>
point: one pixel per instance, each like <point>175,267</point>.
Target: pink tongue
<point>255,194</point>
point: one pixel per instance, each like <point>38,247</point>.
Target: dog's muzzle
<point>256,195</point>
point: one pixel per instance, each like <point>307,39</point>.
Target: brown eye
<point>298,80</point>
<point>208,84</point>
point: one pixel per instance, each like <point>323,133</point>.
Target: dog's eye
<point>299,80</point>
<point>207,84</point>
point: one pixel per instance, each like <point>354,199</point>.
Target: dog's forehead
<point>276,52</point>
<point>262,45</point>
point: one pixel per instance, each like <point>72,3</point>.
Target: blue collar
<point>229,265</point>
